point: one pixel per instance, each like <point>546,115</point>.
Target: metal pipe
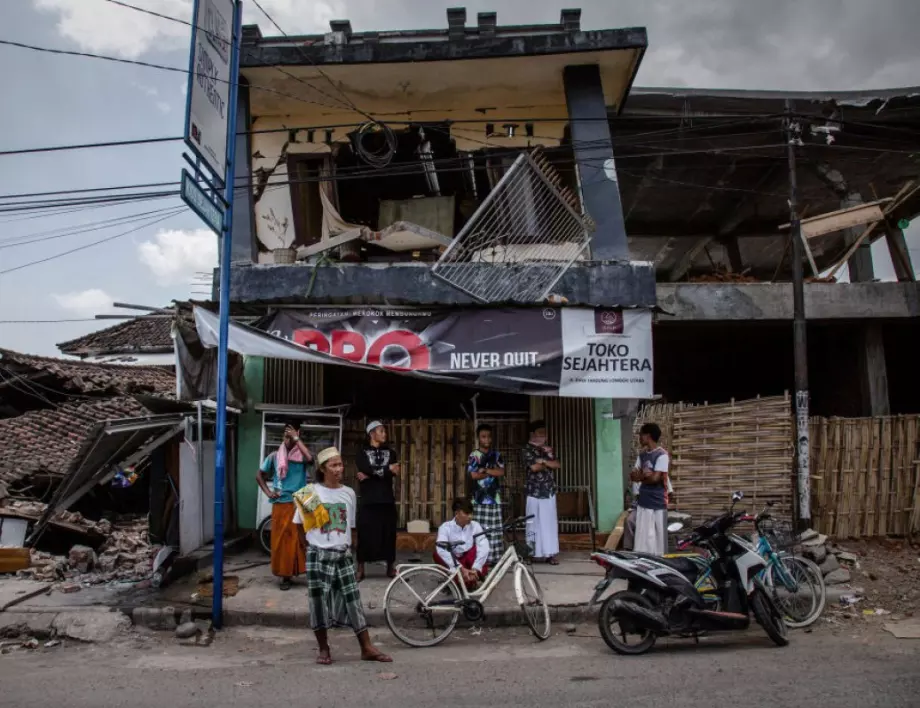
<point>220,445</point>
<point>799,338</point>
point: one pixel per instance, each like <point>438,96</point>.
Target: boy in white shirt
<point>473,553</point>
<point>332,586</point>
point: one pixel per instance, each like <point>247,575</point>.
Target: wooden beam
<point>844,218</point>
<point>735,264</point>
<point>686,261</point>
<point>903,195</point>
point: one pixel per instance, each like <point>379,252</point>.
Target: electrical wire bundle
<point>382,156</point>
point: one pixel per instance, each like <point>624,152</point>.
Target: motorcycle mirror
<point>675,526</point>
<point>737,496</point>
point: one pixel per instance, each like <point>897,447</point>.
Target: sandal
<point>552,561</point>
<point>286,584</point>
<point>324,659</point>
<point>379,656</point>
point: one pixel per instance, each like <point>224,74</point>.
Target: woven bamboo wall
<point>433,454</point>
<point>866,476</point>
<point>717,449</point>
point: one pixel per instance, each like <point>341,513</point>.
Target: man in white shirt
<point>333,597</point>
<point>651,473</point>
<point>629,532</point>
<point>473,552</point>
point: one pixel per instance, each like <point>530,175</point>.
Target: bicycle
<point>795,583</point>
<point>435,592</point>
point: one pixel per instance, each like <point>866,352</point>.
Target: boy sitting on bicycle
<point>473,552</point>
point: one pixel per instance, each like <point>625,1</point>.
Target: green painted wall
<point>610,473</point>
<point>249,447</point>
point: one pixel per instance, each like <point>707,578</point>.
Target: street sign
<point>202,204</point>
<point>208,98</point>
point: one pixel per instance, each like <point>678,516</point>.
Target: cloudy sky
<point>53,100</point>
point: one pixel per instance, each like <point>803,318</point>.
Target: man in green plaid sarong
<point>332,586</point>
<point>486,467</point>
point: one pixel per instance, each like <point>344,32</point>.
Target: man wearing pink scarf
<point>286,470</point>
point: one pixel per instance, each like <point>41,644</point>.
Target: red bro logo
<point>353,346</point>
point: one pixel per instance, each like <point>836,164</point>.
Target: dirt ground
<point>887,572</point>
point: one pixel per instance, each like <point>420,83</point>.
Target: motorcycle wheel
<point>769,617</point>
<point>618,642</point>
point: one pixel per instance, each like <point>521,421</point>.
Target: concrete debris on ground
<point>126,556</point>
<point>37,509</point>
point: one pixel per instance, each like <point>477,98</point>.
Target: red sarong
<point>289,547</point>
<point>466,561</point>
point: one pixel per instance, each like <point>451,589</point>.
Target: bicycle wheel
<point>802,594</point>
<point>418,610</point>
<point>810,581</point>
<point>265,535</point>
<point>533,604</point>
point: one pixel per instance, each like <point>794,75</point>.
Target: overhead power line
<point>75,319</point>
<point>94,243</point>
<point>344,104</point>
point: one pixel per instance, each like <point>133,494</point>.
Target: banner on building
<point>577,352</point>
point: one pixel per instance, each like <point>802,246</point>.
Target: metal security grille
<point>292,383</point>
<point>522,238</point>
<point>570,426</point>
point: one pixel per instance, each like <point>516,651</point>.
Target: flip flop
<point>323,660</point>
<point>552,561</point>
<point>379,657</point>
<point>286,585</point>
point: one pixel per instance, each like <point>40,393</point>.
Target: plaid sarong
<point>489,516</point>
<point>332,590</point>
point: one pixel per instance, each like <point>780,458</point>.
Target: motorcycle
<point>661,599</point>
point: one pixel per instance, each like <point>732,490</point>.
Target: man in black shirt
<point>377,465</point>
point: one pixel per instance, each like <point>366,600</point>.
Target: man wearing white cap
<point>327,511</point>
<point>377,465</point>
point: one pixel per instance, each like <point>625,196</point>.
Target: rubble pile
<point>35,509</point>
<point>126,556</point>
<point>723,275</point>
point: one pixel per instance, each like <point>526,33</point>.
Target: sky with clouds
<point>51,100</point>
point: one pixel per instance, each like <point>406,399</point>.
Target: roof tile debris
<point>49,441</point>
<point>142,335</point>
<point>83,377</point>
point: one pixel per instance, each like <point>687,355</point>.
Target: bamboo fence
<point>866,476</point>
<point>717,449</point>
<point>433,455</point>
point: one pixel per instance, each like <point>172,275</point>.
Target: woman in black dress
<point>377,465</point>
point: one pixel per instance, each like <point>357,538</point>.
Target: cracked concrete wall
<point>773,301</point>
<point>272,206</point>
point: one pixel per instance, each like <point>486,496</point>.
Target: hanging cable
<point>383,155</point>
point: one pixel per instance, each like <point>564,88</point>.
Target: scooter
<point>661,599</point>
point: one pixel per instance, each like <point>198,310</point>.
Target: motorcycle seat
<point>684,566</point>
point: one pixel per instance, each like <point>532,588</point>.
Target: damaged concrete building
<point>386,177</point>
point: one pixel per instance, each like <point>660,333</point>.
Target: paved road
<point>503,668</point>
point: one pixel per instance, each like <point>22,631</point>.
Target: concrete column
<point>860,263</point>
<point>900,255</point>
<point>613,433</point>
<point>873,371</point>
<point>249,444</point>
<point>593,148</point>
<point>243,246</point>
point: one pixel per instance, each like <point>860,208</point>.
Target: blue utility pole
<point>220,446</point>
